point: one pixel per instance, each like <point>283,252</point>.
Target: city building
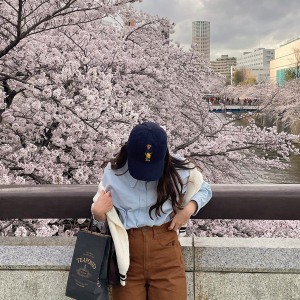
<point>287,56</point>
<point>201,37</point>
<point>260,57</point>
<point>223,66</point>
<point>257,62</point>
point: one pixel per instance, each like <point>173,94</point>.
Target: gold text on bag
<point>86,261</point>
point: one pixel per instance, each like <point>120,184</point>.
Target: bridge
<point>233,108</point>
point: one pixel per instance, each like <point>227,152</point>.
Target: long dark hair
<point>169,184</point>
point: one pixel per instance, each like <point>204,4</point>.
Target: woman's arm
<point>103,205</point>
<point>199,200</point>
<point>202,197</point>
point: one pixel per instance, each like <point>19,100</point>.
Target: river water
<point>288,175</point>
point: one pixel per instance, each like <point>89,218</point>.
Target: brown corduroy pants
<point>156,270</point>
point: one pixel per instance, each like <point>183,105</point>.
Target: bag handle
<point>90,226</point>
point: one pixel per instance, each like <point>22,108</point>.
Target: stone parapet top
<point>200,254</point>
<point>36,257</point>
<point>221,242</point>
<point>37,241</point>
<point>186,241</point>
<point>247,255</point>
<point>201,242</point>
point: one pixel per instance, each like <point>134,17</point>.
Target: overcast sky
<point>235,25</point>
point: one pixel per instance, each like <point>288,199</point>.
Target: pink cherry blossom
<point>73,84</point>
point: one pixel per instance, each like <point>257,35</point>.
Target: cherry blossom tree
<point>286,103</point>
<point>244,228</point>
<point>280,102</point>
<point>73,85</point>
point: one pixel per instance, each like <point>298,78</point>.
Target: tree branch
<point>130,33</point>
<point>19,19</point>
<point>221,153</point>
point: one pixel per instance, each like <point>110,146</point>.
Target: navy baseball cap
<point>147,148</point>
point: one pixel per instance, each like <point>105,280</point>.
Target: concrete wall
<point>217,268</point>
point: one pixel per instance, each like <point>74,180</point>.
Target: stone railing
<point>36,268</point>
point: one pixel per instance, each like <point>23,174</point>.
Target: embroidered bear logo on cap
<point>148,152</point>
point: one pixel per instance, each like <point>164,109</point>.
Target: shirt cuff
<point>99,224</point>
<point>202,197</point>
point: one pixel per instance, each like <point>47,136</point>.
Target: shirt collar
<point>132,181</point>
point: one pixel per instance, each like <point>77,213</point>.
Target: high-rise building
<point>201,37</point>
<point>223,66</point>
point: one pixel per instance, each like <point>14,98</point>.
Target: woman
<point>147,185</point>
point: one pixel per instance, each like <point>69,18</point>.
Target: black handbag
<point>113,275</point>
<point>88,276</point>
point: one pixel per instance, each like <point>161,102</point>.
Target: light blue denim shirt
<point>133,198</point>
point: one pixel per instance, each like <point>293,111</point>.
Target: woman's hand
<point>102,206</point>
<point>182,216</point>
